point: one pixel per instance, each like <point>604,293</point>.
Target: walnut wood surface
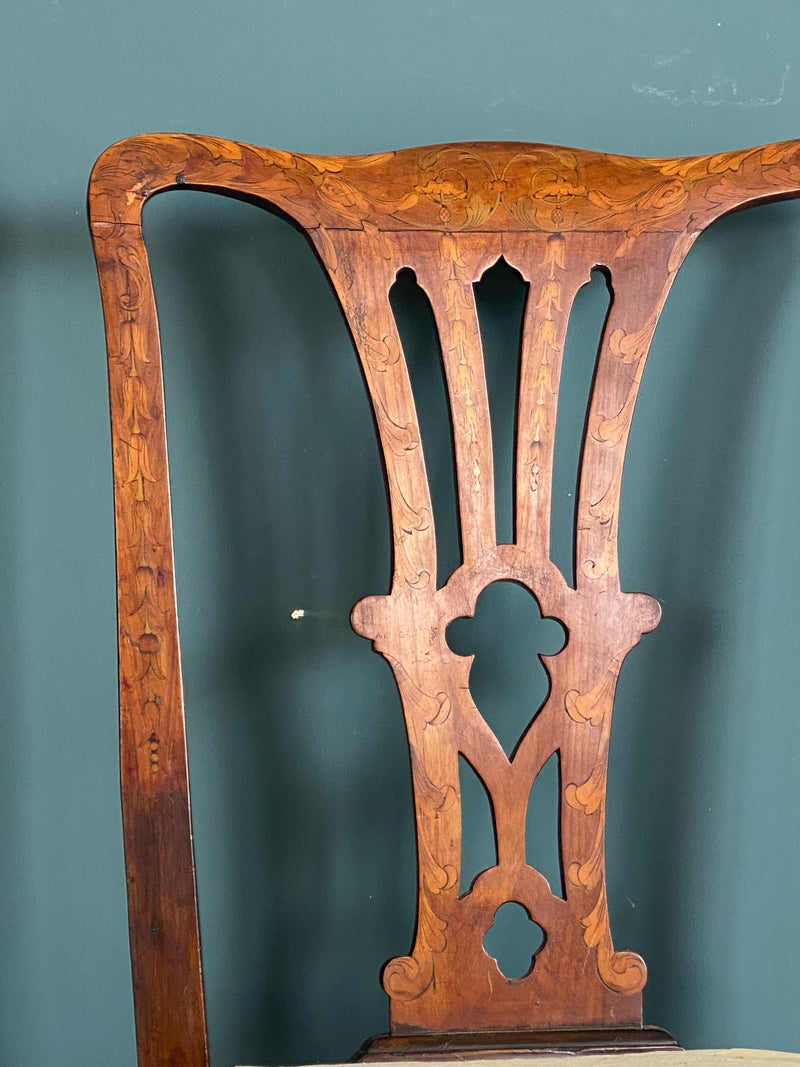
<point>449,212</point>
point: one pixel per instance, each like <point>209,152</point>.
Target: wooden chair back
<point>449,213</point>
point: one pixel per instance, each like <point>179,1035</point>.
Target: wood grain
<point>448,212</point>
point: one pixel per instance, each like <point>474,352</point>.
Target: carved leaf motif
<point>555,252</point>
<point>550,296</point>
<point>133,347</point>
<point>526,209</point>
<point>657,201</point>
<point>146,590</point>
<point>457,301</point>
<point>679,250</point>
<point>379,351</point>
<point>435,799</point>
<point>138,462</point>
<point>415,577</point>
<point>589,796</point>
<point>632,347</point>
<point>546,336</point>
<point>409,519</point>
<point>327,249</point>
<point>400,439</point>
<point>593,706</point>
<point>135,274</point>
<point>478,211</point>
<point>460,335</point>
<point>344,198</point>
<point>469,427</point>
<point>432,710</point>
<point>724,191</point>
<point>544,379</point>
<point>779,153</point>
<point>607,507</point>
<point>135,404</point>
<point>452,259</point>
<point>589,874</point>
<point>378,239</point>
<point>607,564</point>
<point>684,167</point>
<point>143,525</point>
<point>437,879</point>
<point>334,164</point>
<point>729,161</point>
<point>782,177</point>
<point>432,929</point>
<point>465,377</point>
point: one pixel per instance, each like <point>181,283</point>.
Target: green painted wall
<point>703,839</point>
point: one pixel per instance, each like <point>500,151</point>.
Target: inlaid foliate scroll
<point>448,213</point>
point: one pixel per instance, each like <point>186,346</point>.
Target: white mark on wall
<point>719,91</point>
<point>310,613</point>
<point>498,101</point>
<point>669,61</point>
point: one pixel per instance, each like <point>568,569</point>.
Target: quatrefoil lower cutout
<point>513,940</point>
<point>508,681</point>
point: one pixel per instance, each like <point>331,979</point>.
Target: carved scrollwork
<point>408,977</point>
<point>623,972</point>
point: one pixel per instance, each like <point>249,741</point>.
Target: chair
<point>449,213</point>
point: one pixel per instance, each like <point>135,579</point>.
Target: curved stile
<point>447,212</point>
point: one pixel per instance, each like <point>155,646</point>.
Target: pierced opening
<point>508,681</point>
<point>500,298</point>
<point>419,337</point>
<point>587,322</point>
<point>513,940</point>
<point>478,841</point>
<point>543,826</point>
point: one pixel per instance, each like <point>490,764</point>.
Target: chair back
<point>448,213</point>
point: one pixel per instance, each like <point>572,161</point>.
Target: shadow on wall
<point>694,721</point>
<point>62,925</point>
<point>304,829</point>
<point>12,787</point>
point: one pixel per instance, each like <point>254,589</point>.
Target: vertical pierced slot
<point>500,299</point>
<point>543,825</point>
<point>478,842</point>
<point>587,320</point>
<point>419,337</point>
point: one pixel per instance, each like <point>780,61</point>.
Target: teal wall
<point>274,459</point>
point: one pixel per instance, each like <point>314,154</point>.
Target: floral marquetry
<point>448,213</point>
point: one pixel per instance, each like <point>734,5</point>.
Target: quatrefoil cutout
<point>513,940</point>
<point>507,680</point>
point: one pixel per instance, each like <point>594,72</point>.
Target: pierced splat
<point>428,988</point>
<point>447,213</point>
